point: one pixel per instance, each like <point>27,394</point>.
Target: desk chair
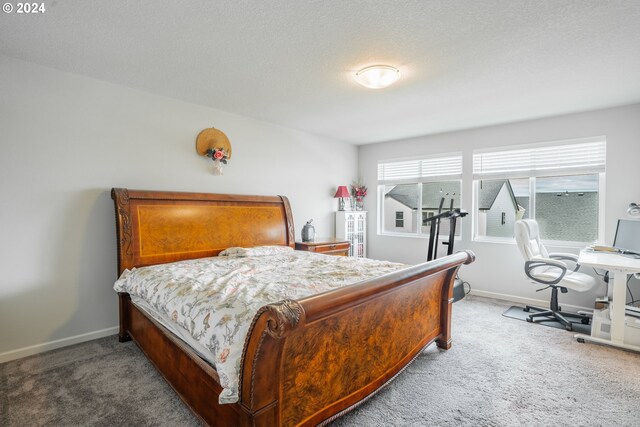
<point>550,270</point>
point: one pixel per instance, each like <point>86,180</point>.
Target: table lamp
<point>342,194</point>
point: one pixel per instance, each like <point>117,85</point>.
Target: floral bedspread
<point>215,299</point>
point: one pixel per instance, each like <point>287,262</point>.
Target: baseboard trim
<point>52,345</point>
<point>526,301</point>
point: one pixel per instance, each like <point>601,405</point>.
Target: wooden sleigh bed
<point>305,362</point>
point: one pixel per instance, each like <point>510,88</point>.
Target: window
<point>439,196</point>
<point>401,198</point>
<point>500,203</point>
<point>559,185</point>
<point>410,191</point>
<point>566,207</point>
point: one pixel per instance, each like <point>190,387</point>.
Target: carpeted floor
<point>499,372</point>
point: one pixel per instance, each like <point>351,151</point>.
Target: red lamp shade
<point>342,192</point>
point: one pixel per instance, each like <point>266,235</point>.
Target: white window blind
<point>587,156</point>
<point>445,167</point>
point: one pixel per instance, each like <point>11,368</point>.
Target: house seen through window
<point>412,191</point>
<point>561,192</point>
<point>417,203</point>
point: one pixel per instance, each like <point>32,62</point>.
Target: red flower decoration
<point>217,154</point>
<point>359,191</point>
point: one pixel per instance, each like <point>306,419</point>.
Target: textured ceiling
<point>291,62</point>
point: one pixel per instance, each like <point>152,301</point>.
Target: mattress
<point>179,332</point>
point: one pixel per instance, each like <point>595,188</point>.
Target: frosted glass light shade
<point>377,76</point>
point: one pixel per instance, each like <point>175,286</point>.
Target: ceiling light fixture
<point>377,76</point>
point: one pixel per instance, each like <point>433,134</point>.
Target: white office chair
<point>549,270</point>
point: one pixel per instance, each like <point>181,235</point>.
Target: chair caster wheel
<point>580,340</point>
<point>585,321</point>
<point>529,319</point>
<point>569,328</point>
<point>526,309</point>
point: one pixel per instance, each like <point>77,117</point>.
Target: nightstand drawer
<point>333,249</point>
<point>327,246</point>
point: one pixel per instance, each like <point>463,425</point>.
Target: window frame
<point>417,180</point>
<point>557,172</point>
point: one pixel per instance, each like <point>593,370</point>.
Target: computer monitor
<point>627,238</point>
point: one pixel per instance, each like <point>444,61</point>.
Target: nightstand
<point>325,245</point>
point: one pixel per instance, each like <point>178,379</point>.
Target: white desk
<point>621,266</point>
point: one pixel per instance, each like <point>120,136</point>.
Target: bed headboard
<point>155,227</point>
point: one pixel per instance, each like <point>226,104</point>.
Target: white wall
<point>66,140</point>
<point>498,269</point>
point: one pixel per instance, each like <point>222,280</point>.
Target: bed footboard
<point>310,360</point>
